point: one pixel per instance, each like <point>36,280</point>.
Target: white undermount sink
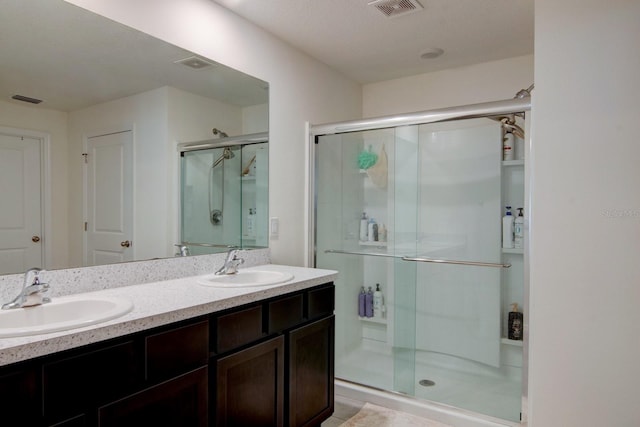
<point>246,278</point>
<point>61,314</point>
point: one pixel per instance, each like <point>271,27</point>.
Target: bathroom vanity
<point>253,356</point>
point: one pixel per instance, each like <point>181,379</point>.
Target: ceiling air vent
<point>393,8</point>
<point>195,62</point>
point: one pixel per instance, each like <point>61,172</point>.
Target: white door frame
<point>128,127</point>
<point>45,186</point>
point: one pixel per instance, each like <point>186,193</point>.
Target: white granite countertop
<point>157,304</point>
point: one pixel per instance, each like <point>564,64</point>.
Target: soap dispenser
<point>377,302</point>
<point>518,230</point>
<point>515,323</point>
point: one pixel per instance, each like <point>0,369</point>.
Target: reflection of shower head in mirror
<point>220,133</point>
<point>226,155</point>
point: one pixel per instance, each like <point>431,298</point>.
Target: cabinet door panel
<point>76,383</point>
<point>250,386</point>
<point>321,302</point>
<point>179,402</point>
<point>311,373</point>
<point>19,395</point>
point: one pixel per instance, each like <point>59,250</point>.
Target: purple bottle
<point>361,298</point>
<point>368,303</point>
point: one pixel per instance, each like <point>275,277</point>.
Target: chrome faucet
<point>231,264</point>
<point>183,250</point>
<point>31,294</point>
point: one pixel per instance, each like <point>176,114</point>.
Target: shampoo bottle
<point>361,303</point>
<point>377,302</point>
<point>518,230</point>
<point>507,229</point>
<point>368,303</point>
<point>508,147</point>
<point>370,230</point>
<point>363,227</point>
<point>515,323</point>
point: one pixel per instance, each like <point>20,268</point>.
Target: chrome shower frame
<point>493,110</point>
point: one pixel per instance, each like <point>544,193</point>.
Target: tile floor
<point>344,409</point>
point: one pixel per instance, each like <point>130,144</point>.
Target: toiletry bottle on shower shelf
<point>371,230</point>
<point>382,233</point>
<point>363,227</point>
<point>518,230</point>
<point>507,229</point>
<point>368,303</point>
<point>361,302</point>
<point>377,302</point>
<point>508,146</point>
<point>515,323</point>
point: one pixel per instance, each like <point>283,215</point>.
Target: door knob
<point>125,244</point>
<point>35,239</point>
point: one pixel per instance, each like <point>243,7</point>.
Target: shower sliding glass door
<point>416,211</point>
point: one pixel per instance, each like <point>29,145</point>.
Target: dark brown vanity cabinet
<point>263,364</point>
<point>279,370</point>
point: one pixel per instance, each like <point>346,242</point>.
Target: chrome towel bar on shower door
<point>451,261</point>
<point>420,259</point>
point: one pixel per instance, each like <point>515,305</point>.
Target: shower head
<point>524,93</point>
<point>221,134</point>
<point>226,155</point>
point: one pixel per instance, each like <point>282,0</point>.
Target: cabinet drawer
<point>238,328</point>
<point>73,384</point>
<point>321,302</point>
<point>285,313</point>
<point>177,350</point>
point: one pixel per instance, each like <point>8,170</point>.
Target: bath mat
<point>377,416</point>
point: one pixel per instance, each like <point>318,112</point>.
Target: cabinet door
<point>311,373</point>
<point>179,402</point>
<point>19,395</point>
<point>250,386</point>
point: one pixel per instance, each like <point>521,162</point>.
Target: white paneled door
<point>109,199</point>
<point>21,203</point>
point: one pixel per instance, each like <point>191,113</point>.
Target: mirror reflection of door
<point>109,198</point>
<point>20,194</point>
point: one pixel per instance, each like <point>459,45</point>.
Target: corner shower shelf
<point>373,320</point>
<point>514,343</point>
<point>513,163</point>
<point>513,251</point>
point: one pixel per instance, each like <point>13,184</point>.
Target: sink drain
<point>426,383</point>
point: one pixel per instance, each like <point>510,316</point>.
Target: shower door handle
<point>451,261</point>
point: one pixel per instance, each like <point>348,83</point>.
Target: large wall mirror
<point>92,174</point>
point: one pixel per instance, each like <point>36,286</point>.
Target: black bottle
<point>515,323</point>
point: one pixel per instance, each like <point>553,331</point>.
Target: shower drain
<point>426,383</point>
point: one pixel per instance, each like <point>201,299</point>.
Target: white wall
<point>160,118</point>
<point>489,81</point>
<point>54,123</point>
<point>585,222</point>
<point>300,89</point>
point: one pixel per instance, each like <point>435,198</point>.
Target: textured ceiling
<point>362,43</point>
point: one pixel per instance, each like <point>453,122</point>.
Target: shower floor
<point>485,393</point>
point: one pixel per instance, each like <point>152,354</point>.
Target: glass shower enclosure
<point>224,194</point>
<point>415,211</point>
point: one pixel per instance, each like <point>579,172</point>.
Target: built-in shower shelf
<point>513,163</point>
<point>248,177</point>
<point>514,343</point>
<point>378,320</point>
<point>376,244</point>
<point>513,251</point>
